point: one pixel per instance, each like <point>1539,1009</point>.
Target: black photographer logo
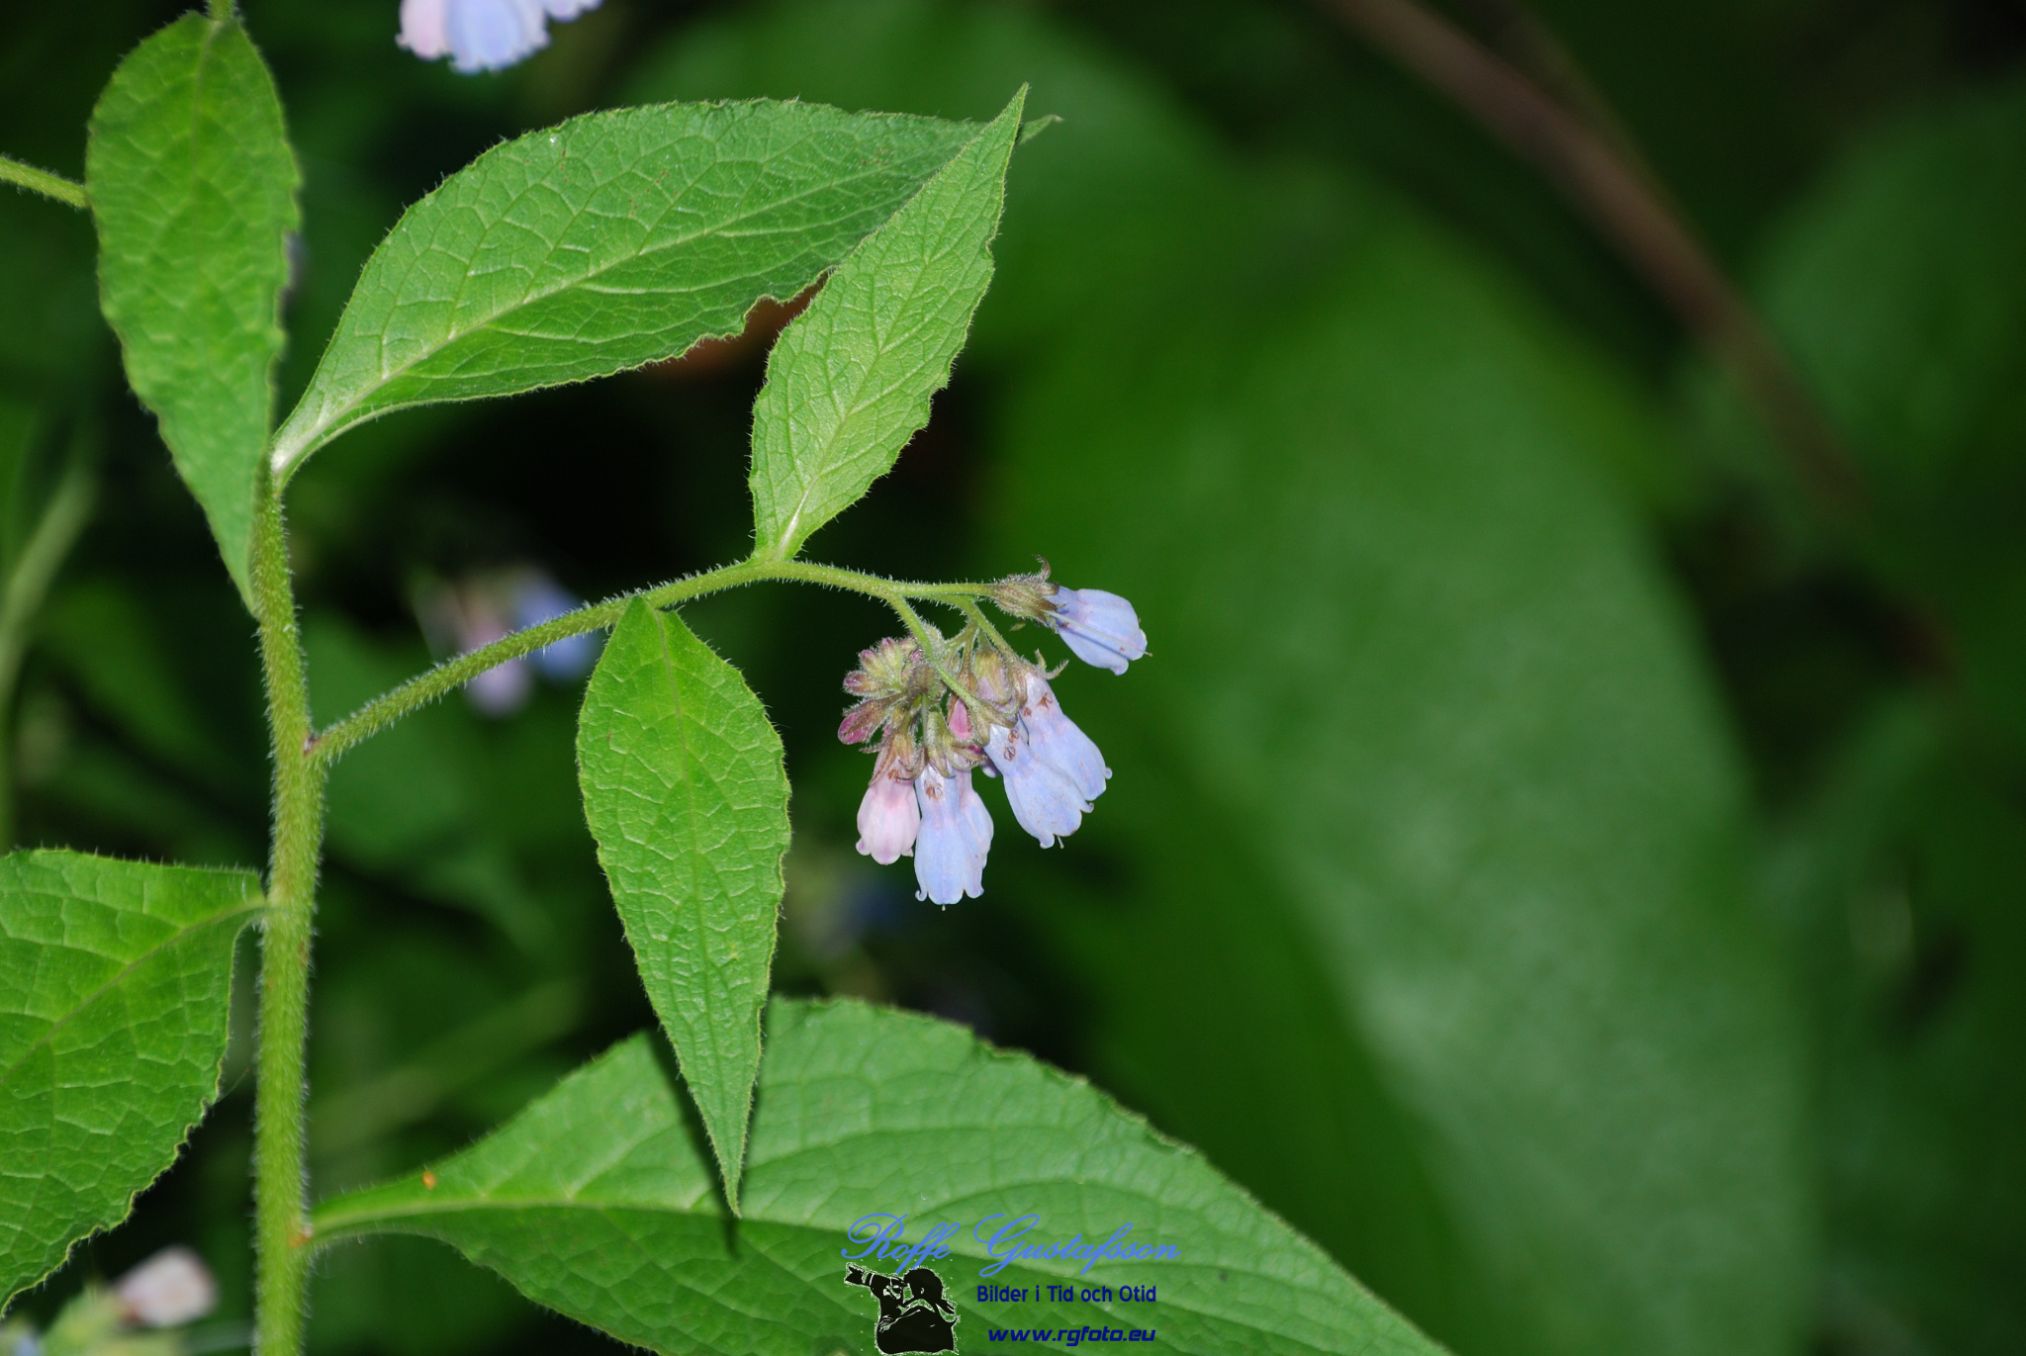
<point>913,1315</point>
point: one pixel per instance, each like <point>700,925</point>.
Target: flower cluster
<point>482,35</point>
<point>973,705</point>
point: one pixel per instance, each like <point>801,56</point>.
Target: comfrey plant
<point>699,1212</point>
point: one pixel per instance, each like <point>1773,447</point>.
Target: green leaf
<point>1918,368</point>
<point>597,1202</point>
<point>609,241</point>
<point>849,382</point>
<point>192,185</point>
<point>118,977</point>
<point>686,794</point>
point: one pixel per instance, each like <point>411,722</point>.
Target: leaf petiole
<point>69,192</point>
<point>451,674</point>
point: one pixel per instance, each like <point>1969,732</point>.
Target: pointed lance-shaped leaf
<point>687,798</point>
<point>192,185</point>
<point>608,241</point>
<point>849,382</point>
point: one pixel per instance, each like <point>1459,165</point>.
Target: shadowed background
<point>1565,853</point>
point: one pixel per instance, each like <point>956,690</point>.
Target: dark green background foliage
<point>1554,864</point>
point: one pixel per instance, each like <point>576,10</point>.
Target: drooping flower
<point>1055,739</point>
<point>956,833</point>
<point>1100,628</point>
<point>889,816</point>
<point>1046,802</point>
<point>482,35</point>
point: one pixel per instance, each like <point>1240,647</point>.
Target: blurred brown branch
<point>1597,168</point>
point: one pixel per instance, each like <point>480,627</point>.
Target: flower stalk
<point>281,1228</point>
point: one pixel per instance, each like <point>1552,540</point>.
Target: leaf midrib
<point>120,976</point>
<point>330,1227</point>
<point>331,419</point>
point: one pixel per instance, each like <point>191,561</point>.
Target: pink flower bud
<point>889,816</point>
<point>861,720</point>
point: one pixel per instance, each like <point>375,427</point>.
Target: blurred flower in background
<point>136,1317</point>
<point>480,608</point>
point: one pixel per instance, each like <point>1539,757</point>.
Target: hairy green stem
<point>281,1231</point>
<point>69,192</point>
<point>426,687</point>
<point>63,518</point>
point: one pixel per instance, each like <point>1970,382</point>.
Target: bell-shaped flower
<point>956,833</point>
<point>1100,628</point>
<point>1054,739</point>
<point>1046,802</point>
<point>890,816</point>
<point>482,35</point>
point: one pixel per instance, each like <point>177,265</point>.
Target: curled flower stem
<point>66,191</point>
<point>428,686</point>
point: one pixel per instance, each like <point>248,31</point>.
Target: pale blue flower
<point>1046,801</point>
<point>956,833</point>
<point>482,35</point>
<point>1100,628</point>
<point>1053,738</point>
<point>538,598</point>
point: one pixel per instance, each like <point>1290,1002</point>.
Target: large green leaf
<point>597,1201</point>
<point>849,382</point>
<point>192,184</point>
<point>116,978</point>
<point>686,794</point>
<point>609,241</point>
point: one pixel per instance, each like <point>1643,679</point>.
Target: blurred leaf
<point>111,1039</point>
<point>413,802</point>
<point>18,430</point>
<point>609,241</point>
<point>849,381</point>
<point>1457,725</point>
<point>1900,883</point>
<point>597,1200</point>
<point>686,794</point>
<point>192,184</point>
<point>1895,284</point>
<point>200,709</point>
